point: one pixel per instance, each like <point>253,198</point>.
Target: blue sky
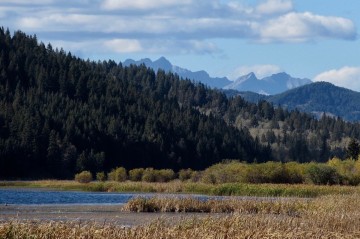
<point>316,39</point>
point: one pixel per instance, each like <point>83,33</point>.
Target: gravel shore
<point>87,213</point>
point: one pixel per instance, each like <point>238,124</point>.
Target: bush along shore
<point>224,179</point>
<point>334,172</point>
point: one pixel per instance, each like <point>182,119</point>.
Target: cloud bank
<point>188,26</point>
<point>348,77</point>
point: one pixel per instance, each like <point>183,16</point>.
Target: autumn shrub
<point>195,176</point>
<point>208,177</point>
<point>348,169</point>
<point>148,175</point>
<point>295,172</point>
<point>84,177</point>
<point>101,176</point>
<point>161,176</point>
<point>269,172</point>
<point>164,175</point>
<point>136,174</point>
<point>185,174</point>
<point>322,174</point>
<point>119,174</point>
<point>225,172</point>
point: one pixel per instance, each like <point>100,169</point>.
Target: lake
<point>34,196</point>
<point>44,197</point>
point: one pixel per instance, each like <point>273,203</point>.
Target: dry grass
<point>324,217</point>
<point>290,207</point>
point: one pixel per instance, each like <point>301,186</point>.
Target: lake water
<point>25,196</point>
<point>40,197</point>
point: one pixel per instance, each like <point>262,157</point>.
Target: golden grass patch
<point>324,217</point>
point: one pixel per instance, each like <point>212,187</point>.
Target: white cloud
<point>124,45</point>
<point>203,47</point>
<point>192,24</point>
<point>298,27</point>
<point>30,23</point>
<point>348,77</point>
<point>141,4</point>
<point>274,7</point>
<point>160,46</point>
<point>135,46</point>
<point>26,2</point>
<point>66,21</point>
<point>78,46</point>
<point>260,71</point>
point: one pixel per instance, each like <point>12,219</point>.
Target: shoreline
<point>89,214</point>
<point>178,187</point>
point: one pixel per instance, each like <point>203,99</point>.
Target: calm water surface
<point>31,196</point>
<point>40,197</point>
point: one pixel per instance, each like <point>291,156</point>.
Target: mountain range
<point>274,84</point>
<point>164,64</point>
<point>281,89</point>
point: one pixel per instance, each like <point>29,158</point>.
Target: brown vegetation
<point>325,217</point>
<point>232,205</point>
<point>84,177</point>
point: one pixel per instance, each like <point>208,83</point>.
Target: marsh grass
<point>176,186</point>
<point>290,207</point>
<point>324,217</point>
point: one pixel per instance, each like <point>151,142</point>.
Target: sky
<point>315,39</point>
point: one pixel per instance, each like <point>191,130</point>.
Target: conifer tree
<point>353,149</point>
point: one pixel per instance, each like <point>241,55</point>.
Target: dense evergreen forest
<point>60,115</point>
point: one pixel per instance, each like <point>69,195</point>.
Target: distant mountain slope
<point>247,95</point>
<point>199,76</point>
<point>322,97</point>
<point>274,84</point>
<point>316,98</point>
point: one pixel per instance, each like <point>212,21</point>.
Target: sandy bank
<point>86,213</point>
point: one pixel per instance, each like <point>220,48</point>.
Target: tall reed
<point>324,217</point>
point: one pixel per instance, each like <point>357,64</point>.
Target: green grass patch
<point>226,189</point>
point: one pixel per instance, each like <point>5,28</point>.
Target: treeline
<point>293,135</point>
<point>335,171</point>
<point>60,115</point>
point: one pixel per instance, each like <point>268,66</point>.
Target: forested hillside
<point>316,98</point>
<point>60,115</point>
<point>322,97</point>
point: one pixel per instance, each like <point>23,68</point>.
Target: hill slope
<point>60,114</point>
<point>316,98</point>
<point>322,97</point>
